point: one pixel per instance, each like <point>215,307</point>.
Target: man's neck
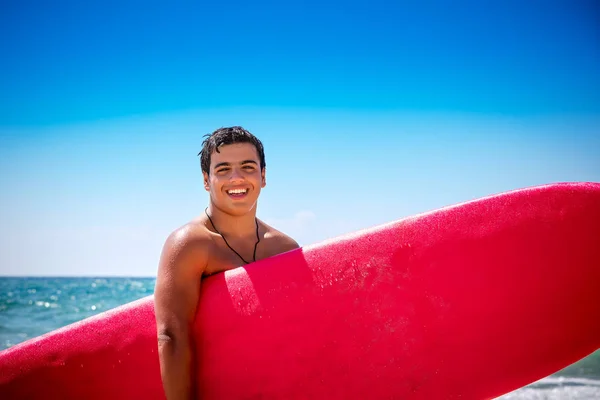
<point>232,225</point>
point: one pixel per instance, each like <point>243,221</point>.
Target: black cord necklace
<point>238,254</point>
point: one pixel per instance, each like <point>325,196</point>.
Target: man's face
<point>235,178</point>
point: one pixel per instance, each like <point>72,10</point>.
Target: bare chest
<point>222,258</point>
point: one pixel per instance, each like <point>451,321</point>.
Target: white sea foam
<point>557,388</point>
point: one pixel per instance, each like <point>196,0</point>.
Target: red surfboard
<point>471,301</point>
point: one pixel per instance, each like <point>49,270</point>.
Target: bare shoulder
<point>186,248</point>
<point>182,262</point>
<point>279,241</point>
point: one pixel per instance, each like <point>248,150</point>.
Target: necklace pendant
<point>231,248</point>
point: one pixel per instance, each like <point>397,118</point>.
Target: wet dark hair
<point>225,136</point>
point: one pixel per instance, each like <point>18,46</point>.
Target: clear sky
<point>369,112</point>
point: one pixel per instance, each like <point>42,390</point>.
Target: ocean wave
<point>557,388</point>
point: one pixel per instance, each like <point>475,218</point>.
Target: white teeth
<point>236,191</point>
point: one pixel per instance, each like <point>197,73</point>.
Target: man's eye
<point>219,171</point>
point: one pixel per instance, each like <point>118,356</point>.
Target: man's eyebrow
<point>227,164</point>
<point>222,164</point>
<point>249,162</point>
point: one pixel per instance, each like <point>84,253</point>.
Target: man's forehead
<point>237,152</point>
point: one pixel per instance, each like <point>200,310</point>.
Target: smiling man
<point>226,235</point>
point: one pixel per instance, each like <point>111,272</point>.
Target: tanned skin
<point>196,250</point>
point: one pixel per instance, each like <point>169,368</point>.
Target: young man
<point>225,236</point>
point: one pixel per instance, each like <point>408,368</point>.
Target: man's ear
<point>264,178</point>
<point>206,186</point>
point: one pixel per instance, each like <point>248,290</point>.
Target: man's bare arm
<point>176,293</point>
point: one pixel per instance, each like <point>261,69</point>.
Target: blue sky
<point>369,112</point>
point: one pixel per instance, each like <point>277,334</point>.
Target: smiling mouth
<point>237,192</point>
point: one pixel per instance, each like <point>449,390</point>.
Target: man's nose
<point>235,174</point>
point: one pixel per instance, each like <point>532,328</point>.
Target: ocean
<point>30,307</point>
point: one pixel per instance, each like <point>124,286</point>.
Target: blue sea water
<point>30,307</point>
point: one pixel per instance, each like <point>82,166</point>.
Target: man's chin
<point>238,209</point>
